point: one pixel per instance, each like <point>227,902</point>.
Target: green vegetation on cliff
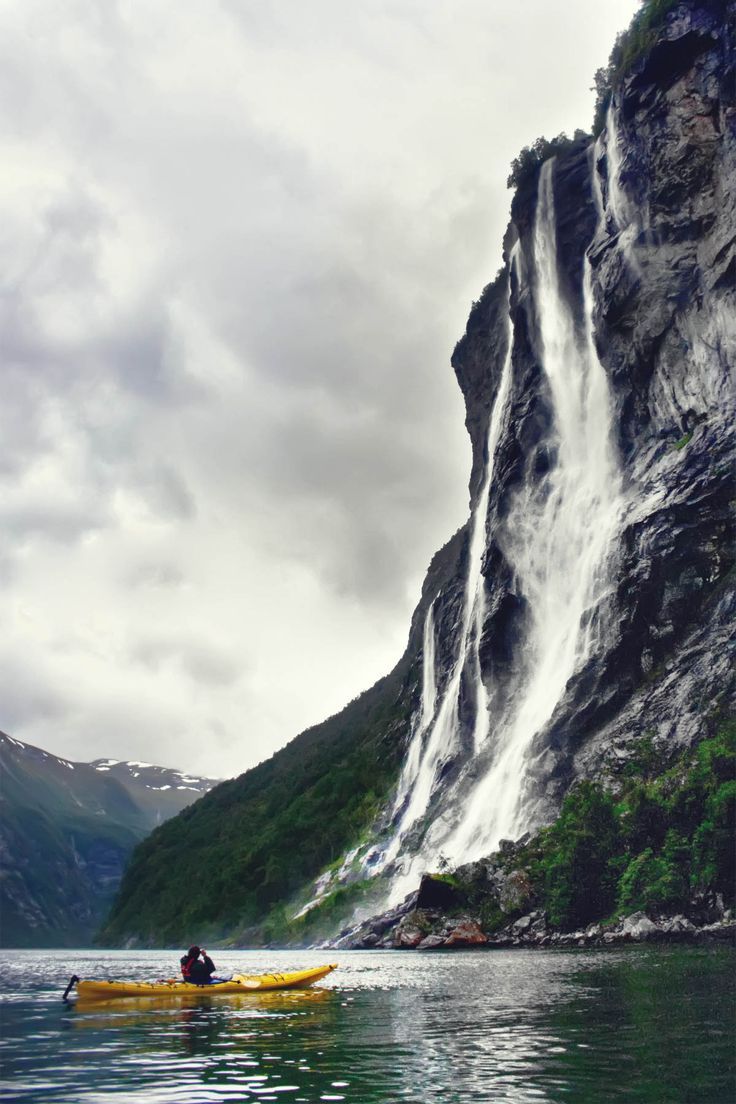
<point>228,865</point>
<point>232,866</point>
<point>631,45</point>
<point>657,844</point>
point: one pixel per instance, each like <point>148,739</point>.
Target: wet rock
<point>443,925</point>
<point>638,926</point>
<point>431,943</point>
<point>415,925</point>
<point>523,924</point>
<point>533,923</point>
<point>514,891</point>
<point>679,925</point>
<point>436,893</point>
<point>376,931</point>
<point>407,936</point>
<point>721,930</point>
<point>500,939</point>
<point>468,933</point>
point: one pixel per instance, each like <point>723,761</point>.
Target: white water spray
<point>595,183</point>
<point>620,207</point>
<point>424,718</point>
<point>431,747</point>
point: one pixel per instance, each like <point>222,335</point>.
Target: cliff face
<point>666,325</point>
<point>589,601</point>
<point>651,206</point>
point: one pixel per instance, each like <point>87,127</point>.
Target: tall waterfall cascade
<point>435,735</point>
<point>559,539</point>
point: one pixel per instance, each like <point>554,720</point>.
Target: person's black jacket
<point>200,972</point>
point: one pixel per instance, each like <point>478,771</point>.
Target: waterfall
<point>595,183</point>
<point>618,201</point>
<point>557,539</point>
<point>436,735</point>
<point>559,536</point>
<point>620,207</point>
<point>429,680</point>
<point>423,719</point>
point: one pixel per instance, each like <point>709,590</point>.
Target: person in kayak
<point>194,971</point>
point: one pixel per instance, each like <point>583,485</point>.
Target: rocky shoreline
<point>436,917</point>
<point>424,930</point>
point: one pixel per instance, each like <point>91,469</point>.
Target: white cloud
<point>238,244</point>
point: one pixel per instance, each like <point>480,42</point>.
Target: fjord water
<point>634,1024</point>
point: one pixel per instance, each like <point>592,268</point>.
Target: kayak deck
<point>240,983</point>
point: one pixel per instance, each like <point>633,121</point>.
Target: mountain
<point>66,832</point>
<point>580,624</point>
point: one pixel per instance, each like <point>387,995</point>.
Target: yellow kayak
<point>240,983</point>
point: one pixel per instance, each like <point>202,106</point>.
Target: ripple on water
<point>506,1026</point>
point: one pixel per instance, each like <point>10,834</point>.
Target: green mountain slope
<point>251,843</point>
<point>66,832</point>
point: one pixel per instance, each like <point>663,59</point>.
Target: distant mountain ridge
<point>66,832</point>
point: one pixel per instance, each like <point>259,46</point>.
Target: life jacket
<point>186,967</point>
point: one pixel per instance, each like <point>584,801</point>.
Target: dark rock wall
<point>665,324</point>
<point>667,334</point>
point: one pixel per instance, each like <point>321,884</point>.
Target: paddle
<point>72,982</point>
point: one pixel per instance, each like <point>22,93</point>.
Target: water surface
<point>634,1024</point>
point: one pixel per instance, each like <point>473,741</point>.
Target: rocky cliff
<point>588,603</point>
<point>602,609</point>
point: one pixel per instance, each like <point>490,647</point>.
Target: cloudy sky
<point>239,241</point>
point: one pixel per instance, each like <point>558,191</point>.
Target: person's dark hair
<point>193,952</point>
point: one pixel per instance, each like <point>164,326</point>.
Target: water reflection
<point>637,1025</point>
<point>241,1045</point>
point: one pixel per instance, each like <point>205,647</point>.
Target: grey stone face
<point>665,333</point>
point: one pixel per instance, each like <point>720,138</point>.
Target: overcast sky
<point>239,241</point>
